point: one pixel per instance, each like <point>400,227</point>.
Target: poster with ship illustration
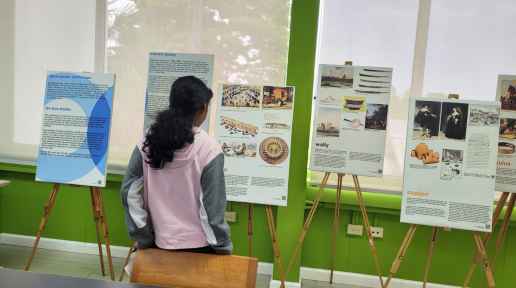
<point>350,121</point>
<point>253,127</point>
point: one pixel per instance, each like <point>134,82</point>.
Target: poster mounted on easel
<point>164,69</point>
<point>450,163</point>
<point>506,170</point>
<point>75,129</point>
<point>253,127</point>
<point>350,121</point>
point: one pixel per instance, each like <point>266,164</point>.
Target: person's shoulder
<point>142,139</point>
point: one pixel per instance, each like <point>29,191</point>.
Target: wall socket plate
<point>355,230</point>
<point>377,232</point>
<point>230,216</point>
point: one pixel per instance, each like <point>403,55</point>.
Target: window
<point>249,40</point>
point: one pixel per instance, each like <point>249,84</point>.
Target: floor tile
<point>117,261</point>
<point>307,283</point>
<point>21,251</point>
<point>59,269</point>
<point>11,263</point>
<point>263,279</point>
<point>97,274</point>
<point>73,257</point>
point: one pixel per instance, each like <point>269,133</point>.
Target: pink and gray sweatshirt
<point>183,204</point>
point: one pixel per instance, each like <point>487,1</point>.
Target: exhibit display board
<point>506,170</point>
<point>350,120</point>
<point>450,163</point>
<point>74,139</point>
<point>164,69</point>
<point>253,127</point>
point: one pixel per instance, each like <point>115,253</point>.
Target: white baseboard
<point>277,284</point>
<point>362,279</point>
<point>87,248</point>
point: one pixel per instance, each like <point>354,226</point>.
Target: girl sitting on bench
<point>181,169</point>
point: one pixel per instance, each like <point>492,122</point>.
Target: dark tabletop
<point>22,279</point>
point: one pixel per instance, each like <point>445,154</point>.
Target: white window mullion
<point>100,36</point>
<point>418,70</point>
<point>197,26</point>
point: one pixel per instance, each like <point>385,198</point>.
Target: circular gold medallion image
<point>273,150</point>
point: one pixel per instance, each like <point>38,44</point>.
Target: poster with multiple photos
<point>73,147</point>
<point>350,120</point>
<point>164,69</point>
<point>506,170</point>
<point>450,163</point>
<point>253,126</point>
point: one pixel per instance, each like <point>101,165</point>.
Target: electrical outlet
<point>230,216</point>
<point>355,229</point>
<point>377,232</point>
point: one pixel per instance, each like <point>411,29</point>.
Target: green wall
<point>22,204</point>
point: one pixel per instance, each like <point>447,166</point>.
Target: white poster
<point>350,120</point>
<point>74,139</point>
<point>450,163</point>
<point>506,170</point>
<point>254,126</point>
<point>164,69</point>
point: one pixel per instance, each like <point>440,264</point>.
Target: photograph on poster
<point>278,97</point>
<point>355,123</point>
<point>273,150</point>
<point>331,97</point>
<point>235,127</point>
<point>452,164</point>
<point>240,97</point>
<point>376,116</point>
<point>328,122</point>
<point>484,115</point>
<point>508,94</point>
<point>355,104</point>
<point>508,128</point>
<point>337,76</point>
<point>426,119</point>
<point>238,149</point>
<point>454,121</point>
<point>423,153</point>
<point>279,127</point>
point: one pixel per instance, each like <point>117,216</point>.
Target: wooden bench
<point>192,270</point>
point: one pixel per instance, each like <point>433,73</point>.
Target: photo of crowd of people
<point>243,97</point>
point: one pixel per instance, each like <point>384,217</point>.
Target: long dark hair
<point>173,129</point>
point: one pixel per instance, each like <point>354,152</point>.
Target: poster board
<point>75,129</point>
<point>450,163</point>
<point>253,126</point>
<point>506,169</point>
<point>164,69</point>
<point>350,120</point>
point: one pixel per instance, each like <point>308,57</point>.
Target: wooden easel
<point>481,253</point>
<point>272,229</point>
<point>501,234</point>
<point>97,205</point>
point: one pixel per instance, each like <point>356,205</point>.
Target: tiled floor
<point>87,266</point>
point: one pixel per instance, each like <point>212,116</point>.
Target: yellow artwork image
<point>356,104</point>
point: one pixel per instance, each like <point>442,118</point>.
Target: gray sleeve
<point>132,200</point>
<point>213,206</point>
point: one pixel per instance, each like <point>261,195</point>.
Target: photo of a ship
<point>337,76</point>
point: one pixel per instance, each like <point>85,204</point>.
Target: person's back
<point>181,169</point>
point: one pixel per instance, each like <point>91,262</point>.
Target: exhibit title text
<point>418,194</point>
<point>69,77</point>
<point>163,54</point>
<point>326,145</point>
<point>56,109</point>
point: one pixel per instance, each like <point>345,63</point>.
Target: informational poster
<point>350,120</point>
<point>164,69</point>
<point>253,127</point>
<point>506,170</point>
<point>450,163</point>
<point>74,139</point>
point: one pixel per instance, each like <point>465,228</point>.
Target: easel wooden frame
<point>97,205</point>
<point>481,253</point>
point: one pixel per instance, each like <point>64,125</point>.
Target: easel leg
<point>99,204</point>
<point>485,262</point>
<point>127,260</point>
<point>308,219</point>
<point>503,230</point>
<point>272,228</point>
<point>96,219</point>
<point>336,221</point>
<point>431,248</point>
<point>367,226</point>
<point>43,223</point>
<point>401,253</point>
<point>250,224</point>
<point>485,238</point>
